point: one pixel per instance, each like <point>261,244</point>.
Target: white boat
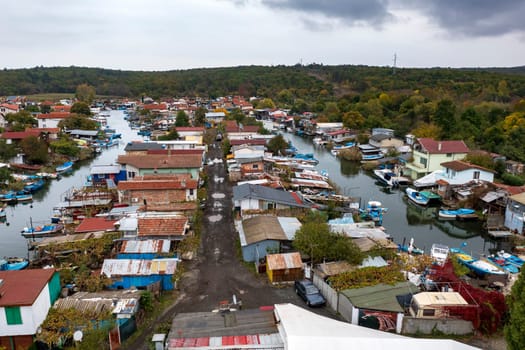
<point>439,253</point>
<point>421,197</point>
<point>390,178</point>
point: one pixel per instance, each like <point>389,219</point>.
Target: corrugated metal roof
<point>105,169</point>
<point>128,224</point>
<point>147,246</point>
<point>284,261</point>
<point>290,225</point>
<point>380,297</point>
<point>22,287</point>
<point>260,341</point>
<point>138,267</point>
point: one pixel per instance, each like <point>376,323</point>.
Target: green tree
<point>6,151</point>
<point>5,176</point>
<point>65,146</point>
<point>266,103</point>
<point>20,121</point>
<point>81,108</point>
<point>353,120</point>
<point>515,327</point>
<point>35,150</point>
<point>277,144</point>
<point>85,93</point>
<point>445,118</point>
<point>78,121</point>
<point>182,119</point>
<point>237,115</point>
<point>200,116</point>
<point>171,135</point>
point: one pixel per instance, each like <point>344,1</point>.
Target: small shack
<point>284,267</point>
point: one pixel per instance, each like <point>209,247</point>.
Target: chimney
<point>439,146</point>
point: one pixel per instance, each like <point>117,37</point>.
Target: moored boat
<point>390,178</point>
<point>11,264</point>
<point>511,258</point>
<point>503,263</point>
<point>34,185</point>
<point>459,214</point>
<point>64,167</point>
<point>410,248</point>
<point>480,267</point>
<point>42,231</point>
<point>421,197</point>
<point>439,253</point>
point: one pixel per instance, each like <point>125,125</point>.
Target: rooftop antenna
<point>395,62</point>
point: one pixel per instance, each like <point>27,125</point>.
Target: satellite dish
<point>77,336</point>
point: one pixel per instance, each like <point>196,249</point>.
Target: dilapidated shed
<point>284,267</point>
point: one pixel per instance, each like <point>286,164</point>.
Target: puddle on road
<point>218,195</point>
<point>218,179</point>
<point>217,205</point>
<point>215,218</point>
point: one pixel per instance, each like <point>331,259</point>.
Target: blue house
<point>140,273</point>
<point>107,174</point>
<point>261,235</point>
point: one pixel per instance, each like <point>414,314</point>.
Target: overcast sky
<point>182,34</point>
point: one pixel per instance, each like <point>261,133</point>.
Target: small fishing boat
<point>480,267</point>
<point>421,197</point>
<point>511,259</point>
<point>64,167</point>
<point>504,264</point>
<point>34,186</point>
<point>11,264</point>
<point>390,178</point>
<point>439,253</point>
<point>374,211</point>
<point>23,196</point>
<point>42,231</point>
<point>457,214</point>
<point>307,158</point>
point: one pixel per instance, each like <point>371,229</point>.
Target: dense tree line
<point>483,107</point>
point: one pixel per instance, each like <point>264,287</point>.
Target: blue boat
<point>410,248</point>
<point>64,167</point>
<point>480,267</point>
<point>11,264</point>
<point>421,197</point>
<point>511,259</point>
<point>504,264</point>
<point>460,214</point>
<point>42,231</point>
<point>305,157</point>
<point>374,211</point>
<point>34,185</point>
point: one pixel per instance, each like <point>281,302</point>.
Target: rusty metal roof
<point>146,246</point>
<point>284,261</point>
<point>138,267</point>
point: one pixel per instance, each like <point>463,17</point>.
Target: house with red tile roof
<point>5,109</point>
<point>429,154</point>
<point>158,189</point>
<point>12,137</point>
<point>172,227</point>
<point>61,108</point>
<point>25,299</point>
<point>51,120</point>
<point>96,224</point>
<point>164,162</point>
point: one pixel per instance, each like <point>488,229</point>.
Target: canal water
<point>403,220</point>
<point>39,212</point>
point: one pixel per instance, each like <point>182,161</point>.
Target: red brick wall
<point>21,342</point>
<point>157,196</point>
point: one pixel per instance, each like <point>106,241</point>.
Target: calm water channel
<point>41,209</point>
<point>403,220</point>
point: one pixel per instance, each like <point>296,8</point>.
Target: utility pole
<point>394,66</point>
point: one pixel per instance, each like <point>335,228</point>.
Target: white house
<point>5,109</point>
<point>458,172</point>
<point>26,297</point>
<point>51,120</point>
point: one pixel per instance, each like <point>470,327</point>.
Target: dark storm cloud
<point>351,12</point>
<point>474,17</point>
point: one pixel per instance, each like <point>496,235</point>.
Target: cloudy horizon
<point>168,35</point>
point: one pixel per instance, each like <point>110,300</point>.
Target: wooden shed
<point>284,267</point>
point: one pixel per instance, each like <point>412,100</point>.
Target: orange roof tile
<point>161,161</point>
<point>21,288</point>
<point>61,108</point>
<point>157,184</point>
<point>54,115</point>
<point>164,226</point>
<point>95,224</point>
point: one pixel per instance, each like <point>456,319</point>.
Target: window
<point>255,166</point>
<point>429,312</point>
<point>423,161</point>
<point>13,315</point>
<point>191,192</point>
<point>449,155</point>
<point>476,175</point>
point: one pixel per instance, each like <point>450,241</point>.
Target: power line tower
<point>395,62</point>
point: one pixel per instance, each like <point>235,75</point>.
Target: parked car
<point>309,293</point>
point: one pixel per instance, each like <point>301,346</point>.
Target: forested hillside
<point>483,107</point>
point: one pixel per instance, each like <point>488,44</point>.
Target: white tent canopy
<point>304,330</point>
<point>429,180</point>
